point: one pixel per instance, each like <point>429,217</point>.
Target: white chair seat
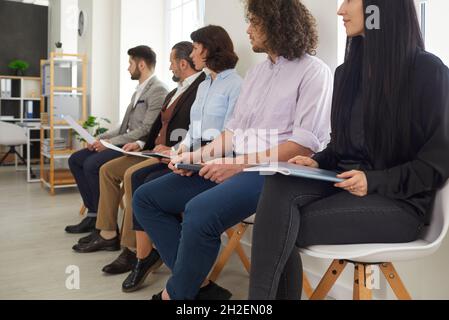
<point>11,135</point>
<point>372,253</point>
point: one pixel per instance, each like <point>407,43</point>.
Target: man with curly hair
<point>283,110</point>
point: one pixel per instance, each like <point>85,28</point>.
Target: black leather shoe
<point>140,272</point>
<point>85,226</point>
<point>89,238</point>
<point>98,244</point>
<point>124,263</point>
<point>157,297</point>
<point>213,292</point>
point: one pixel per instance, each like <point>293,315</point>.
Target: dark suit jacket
<point>180,118</point>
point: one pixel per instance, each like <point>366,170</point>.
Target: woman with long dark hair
<point>390,141</point>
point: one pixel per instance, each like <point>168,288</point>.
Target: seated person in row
<point>390,138</point>
<point>283,110</point>
<point>140,116</point>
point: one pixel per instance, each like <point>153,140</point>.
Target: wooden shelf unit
<point>51,177</point>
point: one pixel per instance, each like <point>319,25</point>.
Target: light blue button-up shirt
<point>213,107</point>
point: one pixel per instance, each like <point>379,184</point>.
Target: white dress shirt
<point>140,88</point>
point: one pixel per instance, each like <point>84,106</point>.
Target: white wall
<point>437,39</point>
<point>142,23</point>
<point>100,44</point>
<point>62,25</point>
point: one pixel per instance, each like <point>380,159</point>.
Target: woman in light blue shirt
<point>213,51</point>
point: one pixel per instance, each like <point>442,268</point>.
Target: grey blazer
<point>139,120</point>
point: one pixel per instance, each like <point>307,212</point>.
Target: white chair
<point>365,255</point>
<point>12,136</point>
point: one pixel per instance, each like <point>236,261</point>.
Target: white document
<point>8,89</point>
<point>3,88</point>
<point>115,148</point>
<point>80,130</point>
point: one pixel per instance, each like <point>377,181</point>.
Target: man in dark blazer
<point>169,130</point>
<point>145,106</point>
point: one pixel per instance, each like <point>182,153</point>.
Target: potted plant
<point>94,126</point>
<point>19,67</point>
<point>58,47</point>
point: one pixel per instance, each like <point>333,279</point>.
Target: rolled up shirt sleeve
<point>311,127</point>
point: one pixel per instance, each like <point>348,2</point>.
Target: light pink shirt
<point>285,101</point>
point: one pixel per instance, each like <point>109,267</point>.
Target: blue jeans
<point>190,248</point>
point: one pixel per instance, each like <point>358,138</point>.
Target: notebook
<point>289,169</point>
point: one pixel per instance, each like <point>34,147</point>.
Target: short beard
<point>176,79</point>
<point>136,75</point>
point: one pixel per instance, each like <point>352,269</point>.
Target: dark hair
<point>145,53</point>
<point>288,25</point>
<point>216,40</point>
<point>380,67</point>
<point>183,50</point>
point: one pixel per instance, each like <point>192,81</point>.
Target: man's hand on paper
<point>132,147</point>
<point>98,146</point>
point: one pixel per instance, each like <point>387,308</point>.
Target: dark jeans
<point>295,212</point>
<point>145,175</point>
<point>85,166</point>
<point>190,248</point>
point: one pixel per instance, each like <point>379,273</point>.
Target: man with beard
<point>144,109</point>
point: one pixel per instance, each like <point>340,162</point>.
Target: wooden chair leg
<point>239,249</point>
<point>306,286</point>
<point>329,279</point>
<point>82,210</point>
<point>228,250</point>
<point>361,291</point>
<point>395,281</point>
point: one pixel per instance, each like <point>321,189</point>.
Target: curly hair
<point>288,25</point>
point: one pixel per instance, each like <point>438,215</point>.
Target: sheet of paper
<point>115,148</point>
<point>80,130</point>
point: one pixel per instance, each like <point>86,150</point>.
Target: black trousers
<point>144,175</point>
<point>295,212</point>
<point>85,166</point>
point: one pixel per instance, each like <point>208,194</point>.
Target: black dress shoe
<point>98,244</point>
<point>124,263</point>
<point>89,238</point>
<point>213,292</point>
<point>85,226</point>
<point>157,297</point>
<point>140,272</point>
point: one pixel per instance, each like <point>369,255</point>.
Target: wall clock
<point>81,23</point>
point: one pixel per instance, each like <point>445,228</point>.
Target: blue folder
<point>289,169</point>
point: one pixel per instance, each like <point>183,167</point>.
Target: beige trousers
<point>112,175</point>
